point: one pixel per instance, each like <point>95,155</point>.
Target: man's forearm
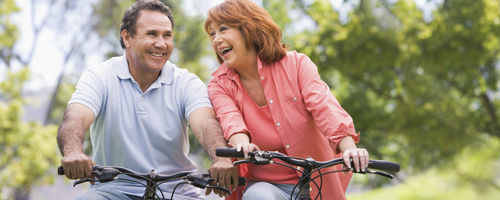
<point>213,138</point>
<point>71,134</point>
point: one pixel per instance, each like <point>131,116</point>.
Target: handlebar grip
<point>60,170</point>
<point>383,165</point>
<point>228,152</point>
<point>242,181</point>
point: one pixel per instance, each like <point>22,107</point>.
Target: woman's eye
<point>223,28</point>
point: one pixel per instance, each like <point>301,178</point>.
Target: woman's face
<point>229,43</point>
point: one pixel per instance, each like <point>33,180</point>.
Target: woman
<point>272,99</point>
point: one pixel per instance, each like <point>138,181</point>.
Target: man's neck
<point>144,79</point>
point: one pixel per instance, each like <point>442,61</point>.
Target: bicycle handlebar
<point>108,173</point>
<point>309,167</point>
<point>373,164</point>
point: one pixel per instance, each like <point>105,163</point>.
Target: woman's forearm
<point>347,143</point>
<point>239,138</point>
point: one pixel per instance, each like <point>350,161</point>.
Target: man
<point>138,107</point>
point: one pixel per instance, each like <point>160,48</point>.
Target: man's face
<point>152,44</point>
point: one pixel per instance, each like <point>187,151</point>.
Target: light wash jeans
<point>106,195</point>
<point>268,191</point>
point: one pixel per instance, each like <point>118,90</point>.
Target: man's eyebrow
<point>154,31</point>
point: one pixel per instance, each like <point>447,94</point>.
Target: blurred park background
<point>420,78</point>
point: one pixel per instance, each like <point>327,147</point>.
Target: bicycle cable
<point>310,180</point>
<point>173,179</point>
<point>124,179</point>
<point>147,179</point>
<point>321,176</point>
<point>303,173</point>
<point>172,197</point>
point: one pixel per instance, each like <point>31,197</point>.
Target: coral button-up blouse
<point>308,118</point>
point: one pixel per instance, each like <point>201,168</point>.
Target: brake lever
<point>85,180</point>
<point>241,162</point>
<point>379,173</point>
<point>197,180</point>
<point>220,188</point>
<point>261,161</point>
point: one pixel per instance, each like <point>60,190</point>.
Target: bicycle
<point>308,165</point>
<point>105,174</point>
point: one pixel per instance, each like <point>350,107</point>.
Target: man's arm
<point>70,137</point>
<point>207,130</point>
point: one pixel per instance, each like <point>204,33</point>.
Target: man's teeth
<point>156,55</point>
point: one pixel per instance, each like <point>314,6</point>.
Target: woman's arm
<point>333,121</point>
<point>242,142</point>
<point>227,112</point>
<point>349,150</point>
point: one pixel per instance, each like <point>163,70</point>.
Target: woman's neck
<point>248,70</point>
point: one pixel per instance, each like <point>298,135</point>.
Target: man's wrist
<point>72,151</point>
<point>221,159</point>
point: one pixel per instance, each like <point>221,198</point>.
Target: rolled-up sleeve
<point>329,116</point>
<point>224,103</point>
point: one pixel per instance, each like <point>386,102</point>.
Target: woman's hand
<point>359,156</point>
<point>246,147</point>
<point>242,143</point>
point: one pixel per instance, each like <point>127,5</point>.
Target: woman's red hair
<point>256,25</point>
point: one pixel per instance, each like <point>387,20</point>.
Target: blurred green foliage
<point>422,90</point>
<point>8,31</point>
<point>27,148</point>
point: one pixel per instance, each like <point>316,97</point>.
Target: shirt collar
<point>123,72</point>
<point>231,73</point>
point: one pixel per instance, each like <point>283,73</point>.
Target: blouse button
<point>298,167</point>
<point>270,101</point>
<point>295,98</point>
<point>262,78</point>
<point>278,124</point>
<point>287,146</point>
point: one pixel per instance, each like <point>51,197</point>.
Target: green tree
<point>420,90</point>
<point>28,153</point>
<point>27,149</point>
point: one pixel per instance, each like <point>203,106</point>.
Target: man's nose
<point>160,43</point>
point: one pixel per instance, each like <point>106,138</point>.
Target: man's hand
<point>77,166</point>
<point>70,137</point>
<point>222,171</point>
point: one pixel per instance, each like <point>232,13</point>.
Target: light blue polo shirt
<point>141,131</point>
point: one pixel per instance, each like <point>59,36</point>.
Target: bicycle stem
<point>151,189</point>
<point>304,181</point>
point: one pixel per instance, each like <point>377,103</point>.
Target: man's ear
<point>126,37</point>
